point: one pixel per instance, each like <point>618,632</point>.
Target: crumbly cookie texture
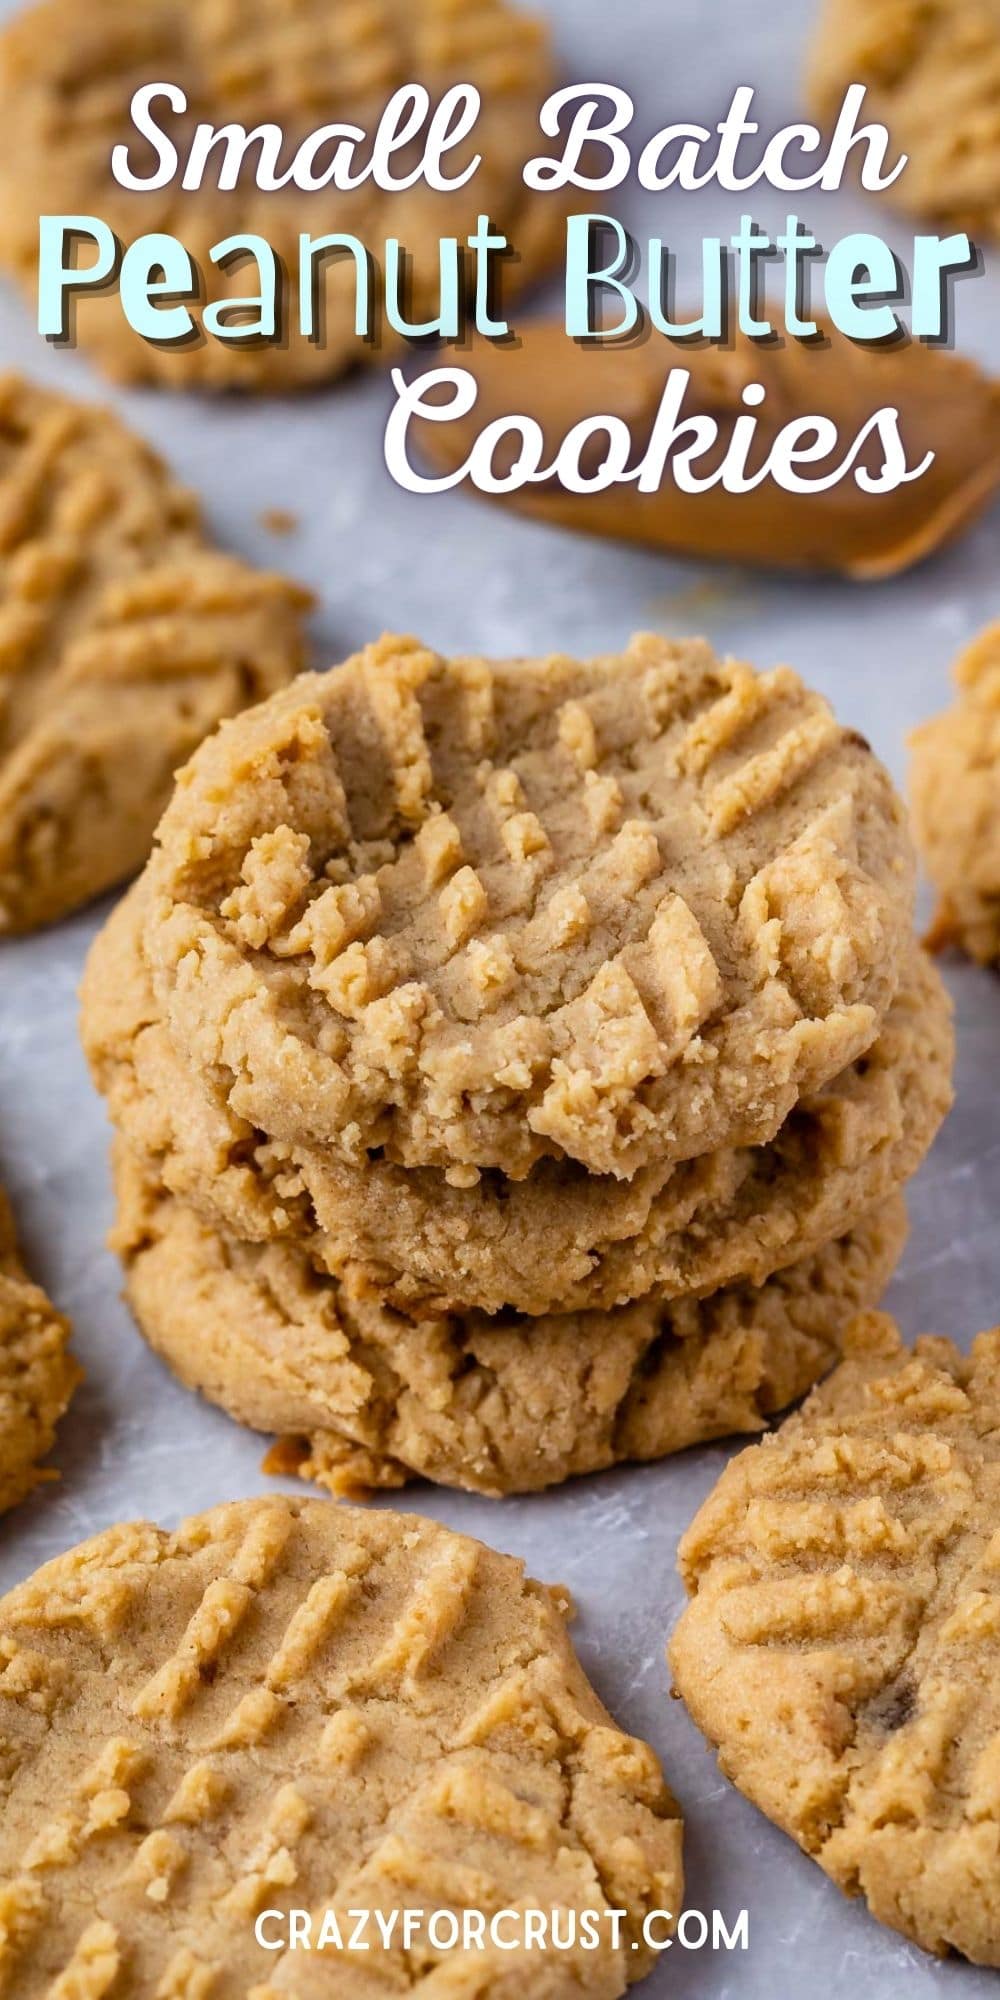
<point>932,69</point>
<point>841,1642</point>
<point>124,637</point>
<point>371,1398</point>
<point>67,76</point>
<point>562,1239</point>
<point>37,1373</point>
<point>955,785</point>
<point>290,1704</point>
<point>470,914</point>
<point>947,406</point>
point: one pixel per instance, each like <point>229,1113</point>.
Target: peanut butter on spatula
<point>947,408</point>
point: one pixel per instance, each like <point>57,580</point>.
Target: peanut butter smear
<point>946,406</point>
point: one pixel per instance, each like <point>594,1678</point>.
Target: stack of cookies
<point>516,1067</point>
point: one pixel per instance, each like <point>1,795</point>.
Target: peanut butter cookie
<point>67,77</point>
<point>37,1373</point>
<point>558,1241</point>
<point>469,915</point>
<point>286,1704</point>
<point>841,1642</point>
<point>955,782</point>
<point>932,68</point>
<point>372,1398</point>
<point>124,638</point>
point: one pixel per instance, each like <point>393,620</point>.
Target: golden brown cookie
<point>290,1705</point>
<point>561,1239</point>
<point>370,1397</point>
<point>955,783</point>
<point>124,638</point>
<point>841,1642</point>
<point>947,406</point>
<point>470,914</point>
<point>932,70</point>
<point>37,1373</point>
<point>67,76</point>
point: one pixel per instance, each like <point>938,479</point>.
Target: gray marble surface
<point>467,578</point>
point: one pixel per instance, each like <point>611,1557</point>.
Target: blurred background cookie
<point>932,71</point>
<point>124,637</point>
<point>37,1372</point>
<point>67,77</point>
<point>955,784</point>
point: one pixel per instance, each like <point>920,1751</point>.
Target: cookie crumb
<point>279,521</point>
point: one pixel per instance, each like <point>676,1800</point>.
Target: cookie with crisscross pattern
<point>468,914</point>
<point>67,77</point>
<point>124,637</point>
<point>561,1239</point>
<point>291,1705</point>
<point>843,1638</point>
